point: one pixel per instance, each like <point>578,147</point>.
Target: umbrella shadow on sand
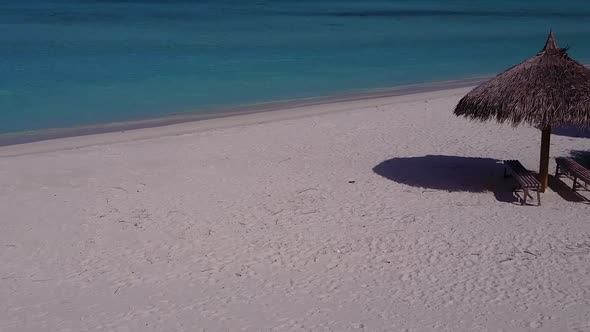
<point>582,157</point>
<point>450,173</point>
<point>571,131</point>
<point>562,186</point>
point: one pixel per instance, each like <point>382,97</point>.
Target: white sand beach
<point>386,214</point>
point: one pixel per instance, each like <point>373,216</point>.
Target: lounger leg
<point>557,171</point>
<point>538,197</point>
<point>526,193</point>
<point>575,183</point>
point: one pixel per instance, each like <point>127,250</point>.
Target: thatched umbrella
<point>547,90</point>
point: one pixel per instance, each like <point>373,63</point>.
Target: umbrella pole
<point>544,160</point>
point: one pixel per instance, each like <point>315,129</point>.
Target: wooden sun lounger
<point>570,167</point>
<point>525,178</point>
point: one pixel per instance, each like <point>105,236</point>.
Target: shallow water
<point>68,63</point>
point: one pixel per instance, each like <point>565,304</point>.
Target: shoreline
<point>18,138</point>
<point>322,217</point>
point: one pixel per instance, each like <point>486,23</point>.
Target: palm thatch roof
<point>549,89</point>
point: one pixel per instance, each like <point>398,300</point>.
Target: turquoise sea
<point>67,63</point>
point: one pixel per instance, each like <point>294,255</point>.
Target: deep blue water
<point>66,63</point>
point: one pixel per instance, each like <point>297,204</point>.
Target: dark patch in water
<point>446,13</point>
<point>65,15</point>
